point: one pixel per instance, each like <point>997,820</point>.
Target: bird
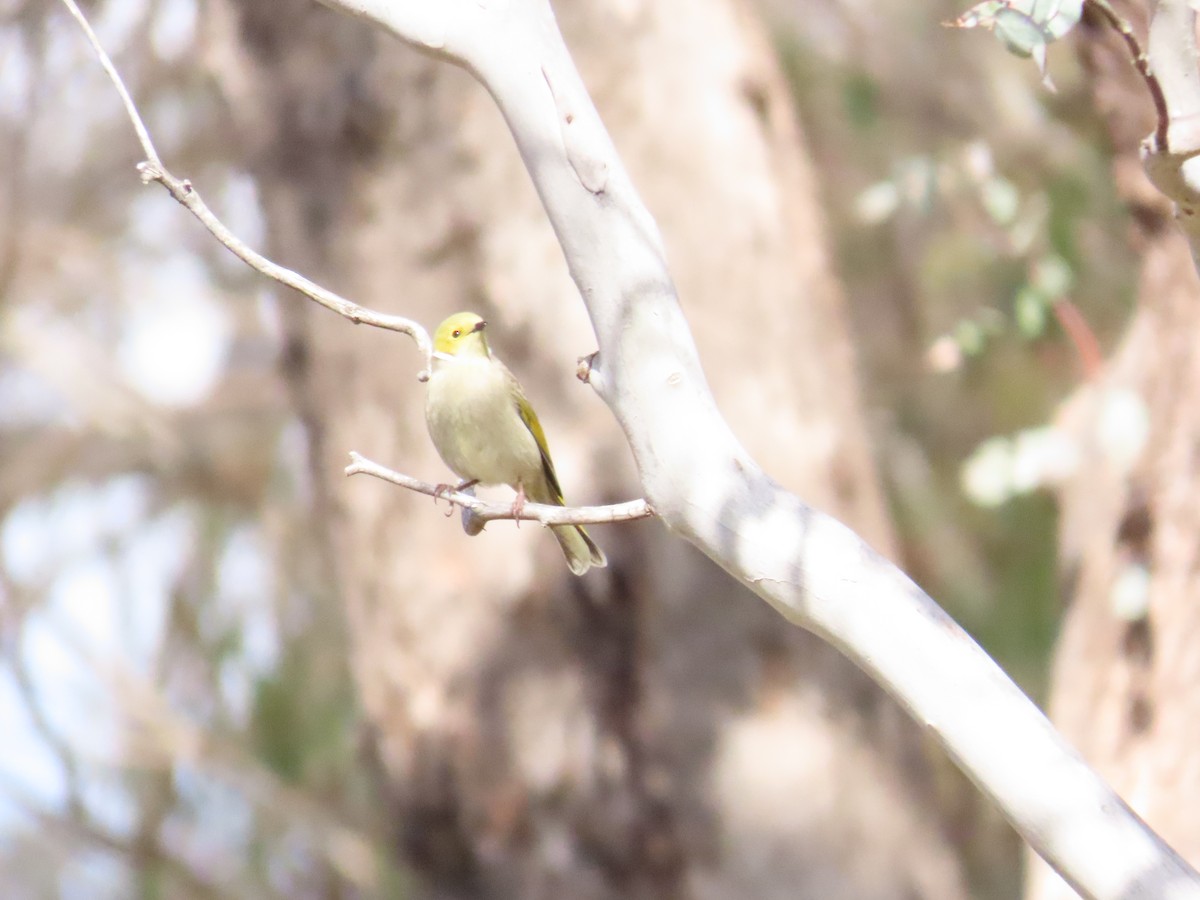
<point>485,430</point>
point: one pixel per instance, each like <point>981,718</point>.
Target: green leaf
<point>1030,311</point>
<point>1019,33</point>
<point>1053,276</point>
<point>986,476</point>
<point>1000,199</point>
<point>970,337</point>
<point>1025,27</point>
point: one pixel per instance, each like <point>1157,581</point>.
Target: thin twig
<point>153,170</point>
<point>1141,62</point>
<point>158,737</point>
<point>81,826</point>
<point>483,511</point>
<point>183,191</point>
<point>139,126</point>
<point>1081,335</point>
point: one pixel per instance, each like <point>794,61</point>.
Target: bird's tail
<point>577,546</point>
<point>579,549</point>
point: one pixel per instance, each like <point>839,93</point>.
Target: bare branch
<point>157,737</point>
<point>1173,56</point>
<point>183,191</point>
<point>1170,154</point>
<point>80,826</point>
<point>153,170</point>
<point>58,745</point>
<point>1081,336</point>
<point>1140,62</point>
<point>143,135</point>
<point>705,486</point>
<point>482,511</point>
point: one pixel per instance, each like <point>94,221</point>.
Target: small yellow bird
<point>486,431</point>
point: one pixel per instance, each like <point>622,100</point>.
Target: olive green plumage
<point>485,430</point>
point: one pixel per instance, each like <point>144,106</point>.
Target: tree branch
<point>708,489</point>
<point>482,511</point>
<point>1170,154</point>
<point>153,170</point>
<point>1141,62</point>
<point>703,483</point>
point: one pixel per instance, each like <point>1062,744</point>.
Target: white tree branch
<point>707,488</point>
<point>482,511</point>
<point>1172,154</point>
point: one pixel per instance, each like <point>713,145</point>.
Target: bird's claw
<point>437,495</point>
<point>456,488</point>
<point>518,505</point>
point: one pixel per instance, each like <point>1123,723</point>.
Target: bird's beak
<point>479,326</point>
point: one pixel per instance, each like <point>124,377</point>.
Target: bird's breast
<point>472,416</point>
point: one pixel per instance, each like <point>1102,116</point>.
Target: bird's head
<point>461,335</point>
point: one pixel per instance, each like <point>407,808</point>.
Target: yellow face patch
<point>464,329</point>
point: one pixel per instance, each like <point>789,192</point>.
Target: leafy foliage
<point>1024,27</point>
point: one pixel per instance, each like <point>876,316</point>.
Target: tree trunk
<point>649,730</point>
<point>1126,681</point>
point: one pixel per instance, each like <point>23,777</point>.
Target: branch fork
<point>703,484</point>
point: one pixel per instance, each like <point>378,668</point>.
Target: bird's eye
<point>456,333</point>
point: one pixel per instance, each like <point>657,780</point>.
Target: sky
<point>99,559</point>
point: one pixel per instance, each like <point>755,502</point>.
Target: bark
<point>651,729</point>
<point>1126,686</point>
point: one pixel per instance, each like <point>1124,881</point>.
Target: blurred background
<point>932,295</point>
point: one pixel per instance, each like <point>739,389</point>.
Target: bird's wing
<point>529,417</point>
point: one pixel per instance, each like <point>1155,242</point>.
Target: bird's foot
<point>519,505</point>
<point>447,488</point>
